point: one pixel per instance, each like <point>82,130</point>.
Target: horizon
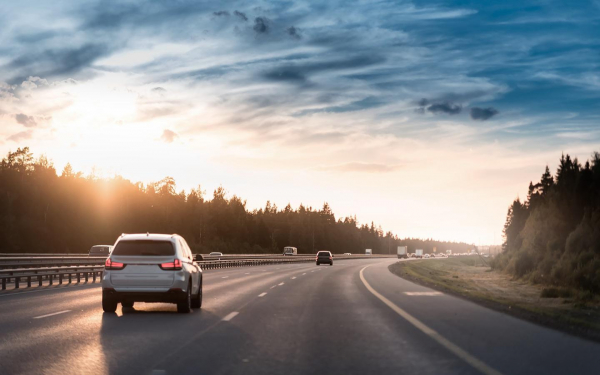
<point>427,119</point>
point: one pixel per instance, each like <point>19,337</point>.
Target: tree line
<point>43,212</point>
<point>554,236</point>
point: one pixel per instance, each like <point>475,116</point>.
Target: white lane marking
<point>230,316</point>
<point>262,294</point>
<point>304,274</point>
<point>224,277</point>
<point>423,293</point>
<point>281,284</point>
<point>47,315</point>
<point>477,364</point>
<point>273,286</point>
<point>293,277</point>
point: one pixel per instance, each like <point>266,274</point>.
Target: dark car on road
<point>324,257</point>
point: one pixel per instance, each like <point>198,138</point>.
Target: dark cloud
<point>438,107</point>
<point>293,32</point>
<point>27,121</point>
<point>483,114</point>
<point>159,89</point>
<point>27,134</point>
<point>366,103</point>
<point>285,75</point>
<point>260,25</point>
<point>58,62</point>
<point>168,136</point>
<point>220,13</point>
<point>300,72</point>
<point>241,15</point>
<point>446,107</point>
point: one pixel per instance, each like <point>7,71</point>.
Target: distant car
<point>151,268</point>
<point>324,257</point>
<point>290,250</point>
<point>216,254</point>
<point>347,253</point>
<point>426,256</point>
<point>100,250</point>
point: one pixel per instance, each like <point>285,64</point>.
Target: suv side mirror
<point>199,258</point>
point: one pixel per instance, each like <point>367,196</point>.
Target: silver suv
<point>151,268</point>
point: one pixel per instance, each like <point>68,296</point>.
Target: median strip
<point>47,315</point>
<point>474,362</point>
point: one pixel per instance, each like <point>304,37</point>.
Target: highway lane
<point>295,319</point>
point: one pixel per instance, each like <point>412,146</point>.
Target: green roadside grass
<point>469,277</point>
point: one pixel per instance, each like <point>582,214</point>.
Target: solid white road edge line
<point>482,367</point>
<point>47,315</point>
<point>230,316</point>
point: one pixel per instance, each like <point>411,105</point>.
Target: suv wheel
<point>109,304</point>
<point>185,306</point>
<point>197,300</point>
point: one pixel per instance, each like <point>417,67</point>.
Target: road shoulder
<point>498,292</point>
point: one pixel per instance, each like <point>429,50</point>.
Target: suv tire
<point>109,304</point>
<point>197,300</point>
<point>128,304</point>
<point>185,305</point>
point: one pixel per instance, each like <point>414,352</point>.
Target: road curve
<point>293,319</point>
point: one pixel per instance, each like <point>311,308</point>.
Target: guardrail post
<point>17,279</point>
<point>3,284</point>
<point>94,276</point>
<point>78,277</point>
<point>29,281</point>
<point>69,278</point>
<point>86,277</point>
<point>60,278</point>
<point>40,280</point>
<point>51,279</point>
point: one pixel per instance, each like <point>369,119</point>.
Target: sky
<point>428,118</point>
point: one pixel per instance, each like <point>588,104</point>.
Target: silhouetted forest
<point>554,236</point>
<point>43,212</point>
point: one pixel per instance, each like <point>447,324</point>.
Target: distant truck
<point>448,252</point>
<point>290,250</point>
<point>419,253</point>
<point>473,251</point>
<point>368,252</point>
<point>402,252</point>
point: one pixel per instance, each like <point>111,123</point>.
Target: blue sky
<point>427,117</point>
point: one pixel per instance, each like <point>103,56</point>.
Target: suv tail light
<point>110,265</point>
<point>171,266</point>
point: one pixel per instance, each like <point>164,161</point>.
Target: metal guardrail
<point>50,274</point>
<point>53,269</point>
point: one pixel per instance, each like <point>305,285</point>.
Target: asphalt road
<point>286,319</point>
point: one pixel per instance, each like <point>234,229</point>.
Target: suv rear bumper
<point>173,295</point>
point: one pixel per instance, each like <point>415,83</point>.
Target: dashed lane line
<point>262,294</point>
<point>293,277</point>
<point>230,316</point>
<point>280,284</point>
<point>462,354</point>
<point>47,315</point>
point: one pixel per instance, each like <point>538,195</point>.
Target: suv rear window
<point>323,254</point>
<point>144,248</point>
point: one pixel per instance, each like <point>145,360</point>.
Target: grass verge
<point>469,277</point>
